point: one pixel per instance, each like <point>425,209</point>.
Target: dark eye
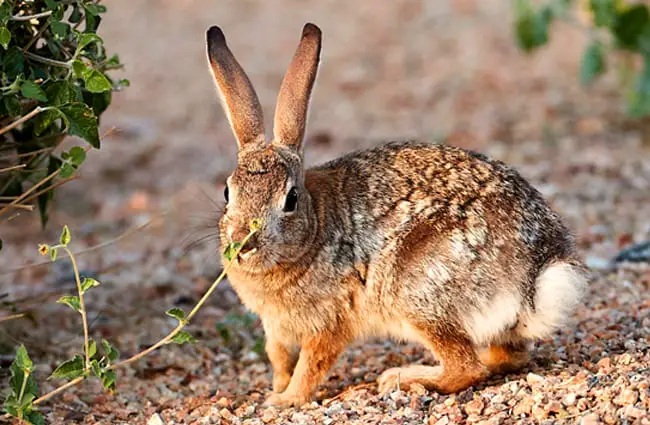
<point>225,193</point>
<point>292,200</point>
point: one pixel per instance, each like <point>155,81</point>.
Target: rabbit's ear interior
<point>236,92</point>
<point>295,92</point>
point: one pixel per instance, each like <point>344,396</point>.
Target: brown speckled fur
<point>410,239</point>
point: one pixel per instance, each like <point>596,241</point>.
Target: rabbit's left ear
<point>236,92</point>
<point>295,92</point>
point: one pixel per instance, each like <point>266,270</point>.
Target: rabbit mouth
<point>245,254</point>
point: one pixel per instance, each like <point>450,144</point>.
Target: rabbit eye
<point>225,193</point>
<point>292,200</point>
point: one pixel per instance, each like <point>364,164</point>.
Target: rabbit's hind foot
<point>505,358</point>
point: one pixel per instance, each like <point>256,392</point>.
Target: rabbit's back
<point>442,233</point>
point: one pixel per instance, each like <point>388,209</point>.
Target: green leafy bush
<point>23,398</point>
<point>614,25</point>
<point>54,82</point>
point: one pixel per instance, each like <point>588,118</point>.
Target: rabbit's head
<point>268,182</point>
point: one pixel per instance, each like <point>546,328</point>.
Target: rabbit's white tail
<point>560,288</point>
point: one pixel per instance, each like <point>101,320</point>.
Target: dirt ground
<point>447,71</point>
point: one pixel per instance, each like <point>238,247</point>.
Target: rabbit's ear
<point>236,92</point>
<point>293,100</point>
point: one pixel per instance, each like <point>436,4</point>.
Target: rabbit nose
<point>239,234</point>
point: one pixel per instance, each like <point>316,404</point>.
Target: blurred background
<point>448,71</point>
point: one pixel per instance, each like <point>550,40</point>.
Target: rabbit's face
<point>268,185</point>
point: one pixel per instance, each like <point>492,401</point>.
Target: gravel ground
<point>448,72</point>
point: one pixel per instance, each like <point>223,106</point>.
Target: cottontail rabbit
<point>416,241</point>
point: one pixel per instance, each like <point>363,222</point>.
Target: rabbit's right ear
<point>236,92</point>
<point>295,92</point>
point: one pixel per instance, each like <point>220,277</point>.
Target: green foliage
<point>616,25</point>
<point>88,283</point>
<point>54,67</point>
<point>231,250</point>
<point>65,237</point>
<point>183,337</point>
<point>176,313</point>
<point>23,389</point>
<point>70,369</point>
<point>71,301</point>
<point>22,399</point>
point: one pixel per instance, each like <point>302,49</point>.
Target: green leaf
<point>60,29</point>
<point>67,170</point>
<point>5,37</point>
<point>231,250</point>
<point>96,82</point>
<point>98,101</point>
<point>65,237</point>
<point>88,283</point>
<point>96,368</point>
<point>531,27</point>
<point>71,301</point>
<point>31,90</point>
<point>11,404</point>
<point>182,338</point>
<point>53,252</point>
<point>110,351</point>
<point>75,16</point>
<point>176,313</point>
<point>45,119</point>
<point>70,369</point>
<point>84,39</point>
<point>58,93</point>
<point>57,13</point>
<point>604,12</point>
<point>593,62</point>
<point>82,122</point>
<point>630,25</point>
<point>79,68</point>
<point>95,9</point>
<point>92,348</point>
<point>108,380</point>
<point>22,359</point>
<point>35,418</point>
<point>77,155</point>
<point>13,62</point>
<point>12,104</point>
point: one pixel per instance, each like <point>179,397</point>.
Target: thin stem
<point>19,206</point>
<point>15,167</point>
<point>22,119</point>
<point>52,187</point>
<point>196,308</point>
<point>47,61</point>
<point>36,36</point>
<point>22,388</point>
<point>84,319</point>
<point>221,276</point>
<point>118,238</point>
<point>12,317</point>
<point>30,17</point>
<point>165,340</point>
<point>58,390</point>
<point>31,189</point>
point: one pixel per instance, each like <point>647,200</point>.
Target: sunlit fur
<point>409,240</point>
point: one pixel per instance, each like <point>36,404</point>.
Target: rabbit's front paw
<point>285,400</point>
<point>280,381</point>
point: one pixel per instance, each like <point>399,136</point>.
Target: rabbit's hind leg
<point>505,358</point>
<point>460,365</point>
